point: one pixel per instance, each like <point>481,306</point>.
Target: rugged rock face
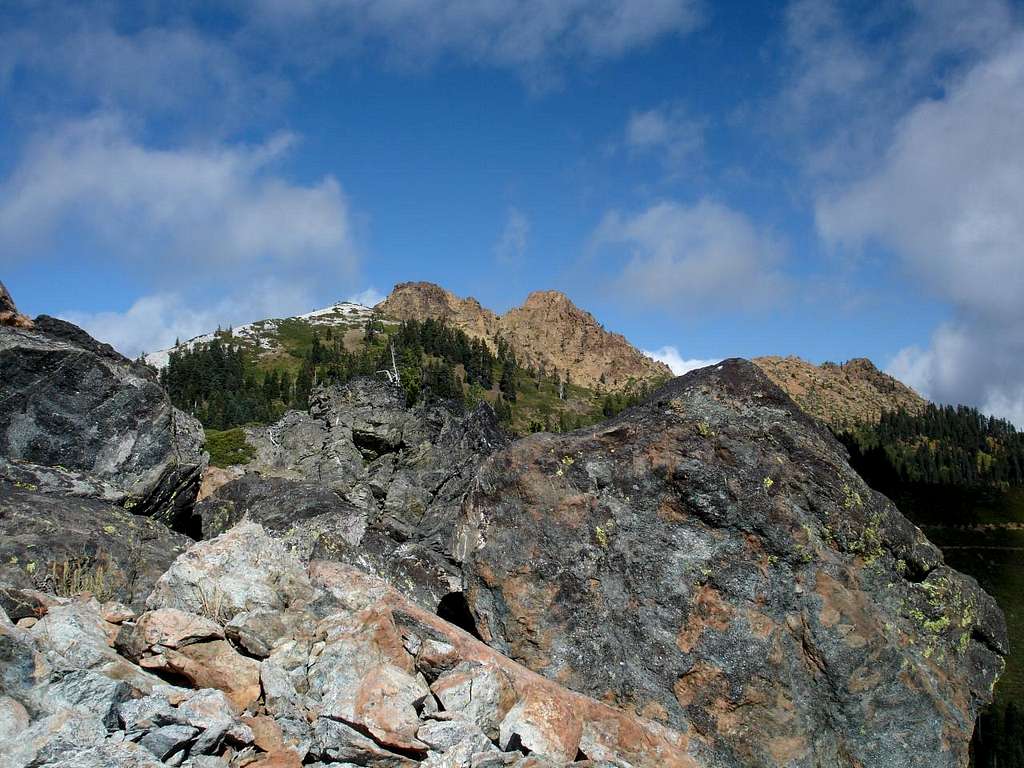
<point>365,480</point>
<point>65,545</point>
<point>419,301</point>
<point>548,330</point>
<point>74,405</point>
<point>89,442</point>
<point>246,658</point>
<point>710,560</point>
<point>9,314</point>
<point>841,395</point>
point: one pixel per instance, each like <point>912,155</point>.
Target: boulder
<point>67,545</point>
<point>710,559</point>
<point>241,570</point>
<point>365,480</point>
<point>85,415</point>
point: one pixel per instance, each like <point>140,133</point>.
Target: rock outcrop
<point>841,395</point>
<point>710,560</point>
<point>66,545</point>
<point>74,407</point>
<point>365,480</point>
<point>89,446</point>
<point>9,314</point>
<point>547,331</point>
<point>246,658</point>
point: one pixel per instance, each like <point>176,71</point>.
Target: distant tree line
<point>942,445</point>
<point>226,386</point>
<point>221,388</point>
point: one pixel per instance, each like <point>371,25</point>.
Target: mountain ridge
<point>548,330</point>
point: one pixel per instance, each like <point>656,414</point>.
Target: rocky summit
<point>841,395</point>
<point>548,330</point>
<point>700,582</point>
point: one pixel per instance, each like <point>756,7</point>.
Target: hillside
<point>841,394</point>
<point>547,332</point>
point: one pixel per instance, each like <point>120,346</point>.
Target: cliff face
<point>843,394</point>
<point>547,330</point>
<point>419,301</point>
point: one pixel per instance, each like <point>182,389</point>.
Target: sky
<point>821,178</point>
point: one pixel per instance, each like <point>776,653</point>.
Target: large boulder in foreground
<point>709,559</point>
<point>74,412</point>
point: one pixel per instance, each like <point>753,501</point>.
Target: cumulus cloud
<point>946,200</point>
<point>526,35</point>
<point>969,362</point>
<point>511,245</point>
<point>679,365</point>
<point>669,132</point>
<point>157,320</point>
<point>82,56</point>
<point>846,85</point>
<point>693,257</point>
<point>205,207</point>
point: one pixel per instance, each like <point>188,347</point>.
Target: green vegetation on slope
<point>228,447</point>
<point>227,384</point>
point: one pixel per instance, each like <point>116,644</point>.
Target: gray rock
<point>476,692</point>
<point>259,631</point>
<point>710,558</point>
<point>75,404</point>
<point>239,571</point>
<point>333,741</point>
<point>168,739</point>
<point>13,718</point>
<point>443,735</point>
<point>92,692</point>
<point>362,479</point>
<point>65,545</point>
<point>148,712</point>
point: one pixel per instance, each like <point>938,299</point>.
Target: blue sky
<point>822,178</point>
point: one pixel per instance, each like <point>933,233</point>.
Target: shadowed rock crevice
<point>454,608</point>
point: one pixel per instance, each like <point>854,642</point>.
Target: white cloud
<point>948,195</point>
<point>371,297</point>
<point>156,321</point>
<point>161,209</point>
<point>668,131</point>
<point>527,35</point>
<point>687,258</point>
<point>851,71</point>
<point>511,246</point>
<point>947,201</point>
<point>82,56</point>
<point>973,362</point>
<point>679,365</point>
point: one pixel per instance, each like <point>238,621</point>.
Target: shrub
<point>228,447</point>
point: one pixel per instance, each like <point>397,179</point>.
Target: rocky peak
<point>548,331</point>
<point>841,394</point>
<point>9,314</point>
<point>419,301</point>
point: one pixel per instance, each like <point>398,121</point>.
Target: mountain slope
<point>547,331</point>
<point>840,395</point>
